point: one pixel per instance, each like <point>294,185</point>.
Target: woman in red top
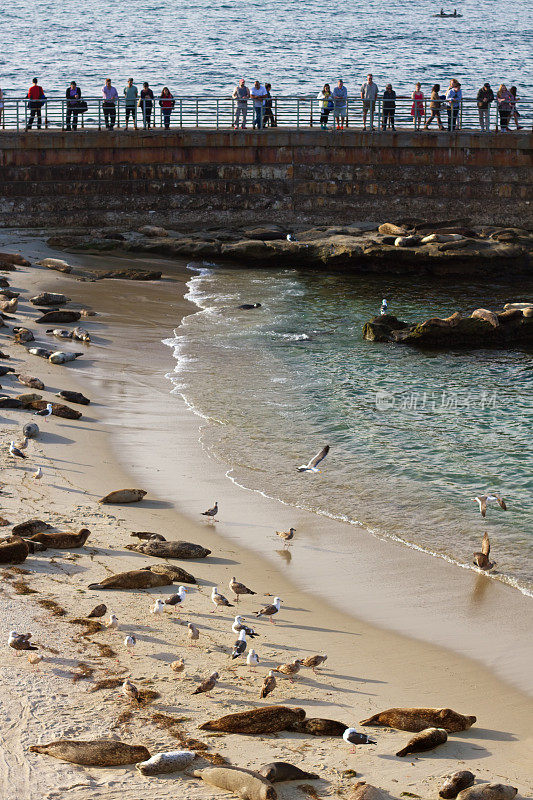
<point>37,99</point>
<point>167,104</point>
<point>417,109</point>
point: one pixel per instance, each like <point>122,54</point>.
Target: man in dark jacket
<point>73,95</point>
<point>485,96</point>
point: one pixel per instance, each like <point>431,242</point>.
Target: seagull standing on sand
<point>239,626</point>
<point>23,444</point>
<point>20,641</point>
<point>38,474</point>
<point>193,633</point>
<point>130,692</point>
<point>178,665</point>
<point>286,535</point>
<point>252,659</point>
<point>270,610</point>
<point>44,412</point>
<point>490,497</point>
<point>314,661</point>
<point>313,464</point>
<point>239,648</point>
<point>158,607</point>
<point>219,600</point>
<point>207,686</point>
<point>239,588</point>
<point>177,599</point>
<point>14,451</point>
<point>211,512</point>
<point>269,684</point>
<point>481,560</point>
<point>289,669</point>
<point>130,642</point>
<point>353,737</point>
<point>113,621</point>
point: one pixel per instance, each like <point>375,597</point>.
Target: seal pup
<point>63,541</point>
<point>93,753</point>
<point>490,497</point>
<point>240,645</point>
<point>156,537</point>
<point>193,633</point>
<point>286,535</point>
<point>456,783</point>
<point>239,626</point>
<point>14,551</point>
<point>238,589</point>
<point>283,771</point>
<point>59,357</point>
<point>158,607</point>
<point>20,641</point>
<point>252,659</point>
<point>417,719</point>
<point>14,451</point>
<point>219,600</point>
<point>268,719</point>
<point>353,737</point>
<point>244,783</point>
<point>133,579</point>
<point>178,665</point>
<point>424,740</point>
<point>211,512</point>
<point>289,669</point>
<point>488,791</point>
<point>169,761</point>
<point>29,527</point>
<point>312,466</point>
<point>481,560</point>
<point>112,622</point>
<point>313,662</point>
<point>269,684</point>
<point>30,430</point>
<point>269,610</point>
<point>207,686</point>
<point>98,611</point>
<point>130,692</point>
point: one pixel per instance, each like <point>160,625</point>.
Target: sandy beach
<point>448,639</point>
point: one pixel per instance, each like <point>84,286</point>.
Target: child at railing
<point>417,109</point>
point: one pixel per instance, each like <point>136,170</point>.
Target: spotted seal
<point>417,719</point>
<point>93,753</point>
<point>424,740</point>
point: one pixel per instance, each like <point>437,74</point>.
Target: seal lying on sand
<point>123,496</point>
<point>174,573</point>
<point>170,549</point>
<point>61,541</point>
<point>282,771</point>
<point>488,791</point>
<point>316,726</point>
<point>14,551</point>
<point>169,761</point>
<point>244,783</point>
<point>456,783</point>
<point>424,740</point>
<point>417,719</point>
<point>147,536</point>
<point>93,753</point>
<point>268,719</point>
<point>134,579</point>
<point>30,527</point>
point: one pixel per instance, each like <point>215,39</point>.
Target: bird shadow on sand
<point>318,630</point>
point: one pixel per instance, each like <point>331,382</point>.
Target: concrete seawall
<point>192,176</point>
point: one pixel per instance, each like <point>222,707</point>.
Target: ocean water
<point>202,47</point>
<point>414,435</point>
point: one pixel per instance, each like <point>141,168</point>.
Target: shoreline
<point>413,673</point>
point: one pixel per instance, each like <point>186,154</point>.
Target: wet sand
<point>368,668</point>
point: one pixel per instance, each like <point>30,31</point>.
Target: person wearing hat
<point>485,97</point>
<point>241,94</point>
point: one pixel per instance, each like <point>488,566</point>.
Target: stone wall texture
<point>198,177</point>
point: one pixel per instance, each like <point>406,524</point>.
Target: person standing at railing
<point>485,97</point>
<point>258,94</point>
<point>417,109</point>
<point>167,103</point>
<point>514,113</point>
<point>241,94</point>
<point>37,100</point>
<point>454,97</point>
<point>146,103</point>
<point>110,97</point>
<point>389,107</point>
<point>268,114</point>
<point>434,106</point>
<point>369,93</point>
<point>505,106</point>
<point>131,94</point>
<point>340,104</point>
<point>73,95</point>
<point>326,104</point>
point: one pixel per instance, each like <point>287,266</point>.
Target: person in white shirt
<point>258,93</point>
<point>110,97</point>
<point>241,94</point>
<point>454,97</point>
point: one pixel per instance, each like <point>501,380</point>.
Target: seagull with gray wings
<point>313,464</point>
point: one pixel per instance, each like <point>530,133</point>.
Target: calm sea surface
<point>200,46</point>
<point>414,435</point>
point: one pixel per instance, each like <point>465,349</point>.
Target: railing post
<point>18,121</point>
<point>99,115</point>
<point>298,112</point>
<point>62,115</point>
<point>311,116</point>
<point>379,112</point>
<point>218,101</point>
<point>197,113</point>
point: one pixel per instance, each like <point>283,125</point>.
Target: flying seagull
<point>353,737</point>
<point>490,497</point>
<point>481,560</point>
<point>313,464</point>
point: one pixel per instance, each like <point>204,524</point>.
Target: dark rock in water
<point>131,275</point>
<point>379,328</point>
<point>74,397</point>
<point>247,306</point>
<point>59,316</point>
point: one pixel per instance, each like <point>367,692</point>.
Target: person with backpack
<point>37,100</point>
<point>73,95</point>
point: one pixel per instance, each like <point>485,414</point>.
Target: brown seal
<point>417,719</point>
<point>316,726</point>
<point>424,740</point>
<point>134,579</point>
<point>283,771</point>
<point>365,791</point>
<point>30,527</point>
<point>93,753</point>
<point>123,496</point>
<point>146,535</point>
<point>59,316</point>
<point>61,541</point>
<point>486,316</point>
<point>488,791</point>
<point>244,783</point>
<point>170,549</point>
<point>456,783</point>
<point>268,719</point>
<point>14,551</point>
<point>176,574</point>
<point>447,322</point>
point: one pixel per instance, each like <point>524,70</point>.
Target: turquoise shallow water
<point>200,46</point>
<point>414,435</point>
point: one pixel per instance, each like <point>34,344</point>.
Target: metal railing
<point>220,112</point>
